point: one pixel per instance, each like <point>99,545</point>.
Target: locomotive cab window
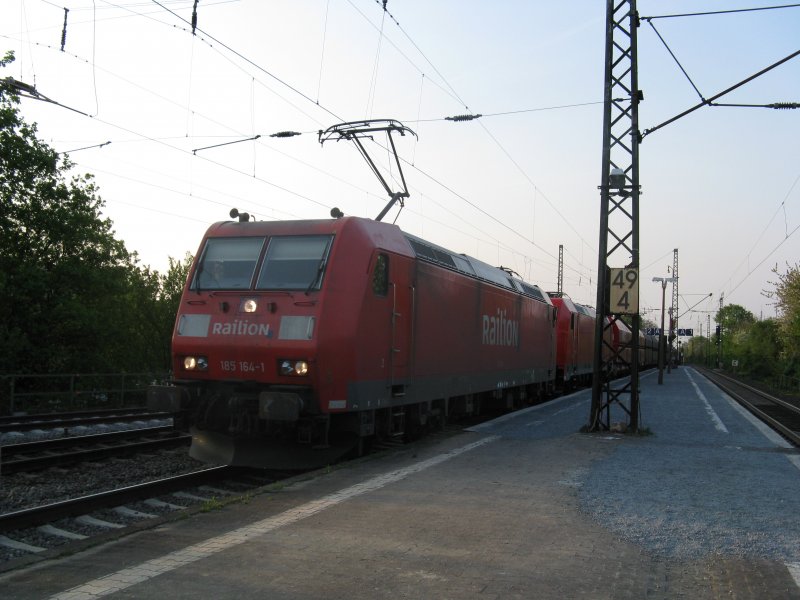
<point>380,275</point>
<point>295,262</point>
<point>228,263</point>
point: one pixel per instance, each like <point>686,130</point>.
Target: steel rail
<point>68,420</point>
<point>32,517</point>
<point>23,418</point>
<point>16,457</point>
<point>785,418</point>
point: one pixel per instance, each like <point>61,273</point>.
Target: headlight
<point>195,363</point>
<point>294,367</point>
<point>248,306</point>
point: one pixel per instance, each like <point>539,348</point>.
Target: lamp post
<point>669,342</point>
<point>664,281</point>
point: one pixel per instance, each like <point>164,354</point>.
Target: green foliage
<point>787,300</point>
<point>759,347</point>
<point>698,350</point>
<point>212,504</point>
<point>72,298</point>
<point>646,323</point>
<point>734,318</point>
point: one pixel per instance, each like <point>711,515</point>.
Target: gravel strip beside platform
<point>690,490</point>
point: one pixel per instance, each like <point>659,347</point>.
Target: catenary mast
<point>618,256</point>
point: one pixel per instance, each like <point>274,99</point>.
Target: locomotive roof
<point>383,235</point>
<point>387,236</point>
<point>473,267</point>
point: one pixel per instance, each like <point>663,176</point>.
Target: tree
<point>760,348</point>
<point>787,300</point>
<point>734,318</point>
<point>72,298</point>
<point>156,299</point>
<point>698,350</point>
<point>646,323</point>
<point>734,321</point>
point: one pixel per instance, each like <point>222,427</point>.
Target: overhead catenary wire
<point>250,62</point>
<point>514,162</point>
<point>455,94</point>
<point>473,198</point>
<point>330,112</point>
<point>142,137</point>
<point>270,74</point>
<point>787,235</point>
<point>322,52</point>
<point>769,254</point>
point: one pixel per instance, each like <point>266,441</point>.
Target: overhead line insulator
<point>784,105</point>
<point>284,134</point>
<point>463,117</point>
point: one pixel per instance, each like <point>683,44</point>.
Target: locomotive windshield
<point>294,262</point>
<point>291,263</point>
<point>228,263</point>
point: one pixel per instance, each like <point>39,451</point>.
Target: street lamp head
<point>665,280</point>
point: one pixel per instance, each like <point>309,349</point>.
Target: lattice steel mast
<point>619,221</point>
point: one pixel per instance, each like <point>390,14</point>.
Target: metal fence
<point>24,393</point>
<point>789,385</point>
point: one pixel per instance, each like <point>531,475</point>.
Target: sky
<point>721,185</point>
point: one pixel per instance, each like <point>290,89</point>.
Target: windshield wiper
<point>322,262</point>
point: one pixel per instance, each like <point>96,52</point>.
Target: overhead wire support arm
<point>710,101</point>
<point>86,148</point>
<point>27,90</point>
<point>250,139</point>
<point>354,131</point>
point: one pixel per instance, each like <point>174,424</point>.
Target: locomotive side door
<point>401,288</point>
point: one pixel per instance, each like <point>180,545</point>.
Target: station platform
<point>704,505</point>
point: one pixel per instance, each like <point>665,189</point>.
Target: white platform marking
<point>131,576</point>
<point>718,424</point>
<point>794,571</point>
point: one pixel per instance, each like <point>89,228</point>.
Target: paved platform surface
<point>524,507</point>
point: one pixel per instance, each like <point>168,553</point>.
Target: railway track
<point>781,415</point>
<point>72,507</point>
<point>71,420</point>
<point>69,525</point>
<point>44,454</point>
<point>66,526</point>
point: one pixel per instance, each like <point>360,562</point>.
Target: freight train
<point>299,341</point>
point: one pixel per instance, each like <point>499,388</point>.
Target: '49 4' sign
<point>624,291</point>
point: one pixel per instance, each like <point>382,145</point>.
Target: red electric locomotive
<point>295,341</point>
<point>574,342</point>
